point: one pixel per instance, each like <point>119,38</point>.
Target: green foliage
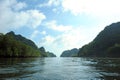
<point>114,50</point>
<point>104,44</point>
<point>10,47</point>
<point>22,39</point>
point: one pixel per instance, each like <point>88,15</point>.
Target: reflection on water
<point>19,67</point>
<point>59,69</point>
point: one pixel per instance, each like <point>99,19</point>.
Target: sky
<point>58,25</point>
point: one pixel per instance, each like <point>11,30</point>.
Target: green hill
<point>106,44</point>
<point>22,39</point>
<point>12,45</point>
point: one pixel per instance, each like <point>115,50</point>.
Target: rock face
<point>106,44</point>
<point>70,53</point>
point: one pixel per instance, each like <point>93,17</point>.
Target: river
<point>59,69</point>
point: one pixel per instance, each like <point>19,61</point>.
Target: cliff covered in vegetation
<point>106,44</point>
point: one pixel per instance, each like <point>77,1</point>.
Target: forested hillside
<point>106,44</point>
<point>12,45</point>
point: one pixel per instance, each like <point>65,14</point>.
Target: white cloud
<point>34,34</point>
<point>12,18</point>
<point>75,37</point>
<point>54,26</point>
<point>92,7</point>
<point>54,4</point>
<point>47,40</point>
<point>49,43</point>
<point>35,18</point>
<point>19,6</point>
<point>43,32</point>
<point>50,3</point>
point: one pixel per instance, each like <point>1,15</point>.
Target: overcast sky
<point>58,25</point>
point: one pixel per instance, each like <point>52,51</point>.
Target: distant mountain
<point>50,54</point>
<point>46,54</point>
<point>42,50</point>
<point>70,53</point>
<point>106,44</point>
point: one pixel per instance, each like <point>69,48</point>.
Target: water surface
<point>59,69</point>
